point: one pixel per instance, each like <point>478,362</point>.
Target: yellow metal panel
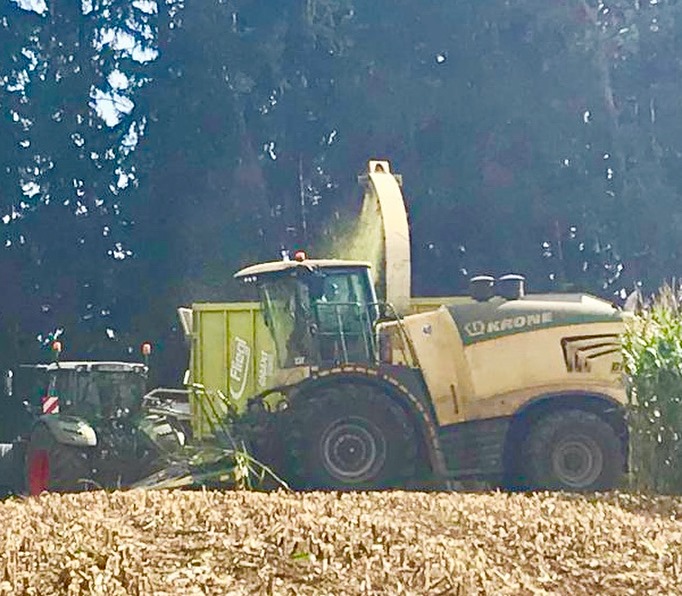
<point>440,351</point>
<point>381,235</point>
<point>396,235</point>
<point>533,359</point>
<point>495,377</point>
<point>508,403</point>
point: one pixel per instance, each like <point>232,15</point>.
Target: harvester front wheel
<point>573,450</point>
<point>352,437</point>
<point>54,467</point>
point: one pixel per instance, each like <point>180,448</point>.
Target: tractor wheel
<point>51,466</point>
<point>351,437</point>
<point>573,450</point>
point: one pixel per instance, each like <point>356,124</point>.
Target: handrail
<point>406,340</point>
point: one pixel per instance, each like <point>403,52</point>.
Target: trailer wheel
<point>351,436</point>
<point>51,466</point>
<point>573,450</point>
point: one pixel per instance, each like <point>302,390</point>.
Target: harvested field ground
<point>394,543</point>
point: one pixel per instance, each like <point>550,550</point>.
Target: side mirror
<point>387,312</point>
<point>8,377</point>
<point>316,287</point>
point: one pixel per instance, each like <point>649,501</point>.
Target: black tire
<point>54,467</point>
<point>350,436</point>
<point>573,450</point>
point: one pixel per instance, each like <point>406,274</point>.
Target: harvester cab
<point>319,312</point>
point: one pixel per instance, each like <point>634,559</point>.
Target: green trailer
<point>231,355</point>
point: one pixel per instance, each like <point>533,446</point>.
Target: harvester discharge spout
<point>382,235</point>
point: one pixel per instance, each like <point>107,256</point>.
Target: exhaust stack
<point>482,287</point>
<point>511,286</point>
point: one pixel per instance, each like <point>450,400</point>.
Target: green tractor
<point>89,427</point>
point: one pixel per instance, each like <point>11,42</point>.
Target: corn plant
<point>230,454</point>
<point>223,461</point>
<point>652,347</point>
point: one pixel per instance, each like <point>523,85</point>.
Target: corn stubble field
<point>154,542</point>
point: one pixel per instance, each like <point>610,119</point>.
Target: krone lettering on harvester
<point>478,328</point>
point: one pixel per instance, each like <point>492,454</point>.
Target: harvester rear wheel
<point>573,450</point>
<point>54,467</point>
<point>351,436</point>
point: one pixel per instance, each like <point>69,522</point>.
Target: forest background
<point>150,148</point>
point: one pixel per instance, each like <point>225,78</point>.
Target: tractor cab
<point>319,312</point>
<point>95,390</point>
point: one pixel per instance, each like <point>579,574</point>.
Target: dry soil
<point>154,542</point>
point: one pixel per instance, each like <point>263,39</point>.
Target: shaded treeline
<point>537,137</point>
